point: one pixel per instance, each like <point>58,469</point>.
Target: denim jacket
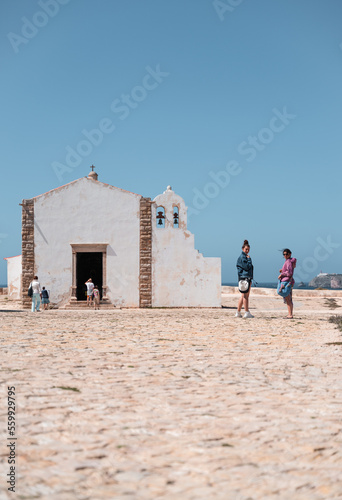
<point>244,266</point>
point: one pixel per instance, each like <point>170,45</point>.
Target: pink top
<point>288,269</point>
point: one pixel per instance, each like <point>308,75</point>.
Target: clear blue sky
<point>183,90</point>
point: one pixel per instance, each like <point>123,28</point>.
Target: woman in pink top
<point>286,275</point>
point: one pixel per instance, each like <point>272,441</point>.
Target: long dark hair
<point>245,244</point>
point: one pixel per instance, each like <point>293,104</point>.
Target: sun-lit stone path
<point>174,404</point>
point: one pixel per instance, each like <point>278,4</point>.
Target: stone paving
<point>174,404</point>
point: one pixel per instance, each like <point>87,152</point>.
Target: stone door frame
<point>89,247</point>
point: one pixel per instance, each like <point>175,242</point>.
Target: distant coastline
<point>327,280</point>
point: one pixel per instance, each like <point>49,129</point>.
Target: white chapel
<point>138,251</point>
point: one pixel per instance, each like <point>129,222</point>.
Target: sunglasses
<point>284,254</point>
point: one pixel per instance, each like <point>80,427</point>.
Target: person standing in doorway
<point>36,293</point>
<point>245,273</point>
<point>90,287</point>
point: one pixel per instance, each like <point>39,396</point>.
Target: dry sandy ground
<point>174,404</point>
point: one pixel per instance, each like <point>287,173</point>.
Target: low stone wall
<point>273,292</point>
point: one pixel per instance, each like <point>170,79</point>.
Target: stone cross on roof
<point>92,175</point>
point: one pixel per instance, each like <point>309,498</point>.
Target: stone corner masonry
<point>27,250</point>
<point>145,262</point>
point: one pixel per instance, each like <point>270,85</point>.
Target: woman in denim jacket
<point>245,270</point>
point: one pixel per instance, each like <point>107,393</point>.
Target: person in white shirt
<point>36,294</point>
<point>90,288</point>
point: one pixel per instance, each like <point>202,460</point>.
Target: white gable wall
<point>181,276</point>
<point>88,212</point>
<point>14,277</point>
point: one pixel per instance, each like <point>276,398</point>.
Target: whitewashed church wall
<point>14,277</point>
<point>181,276</point>
<point>88,212</point>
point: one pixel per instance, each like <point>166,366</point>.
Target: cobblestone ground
<point>174,404</point>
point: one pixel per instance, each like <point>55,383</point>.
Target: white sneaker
<point>238,314</point>
<point>248,315</point>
